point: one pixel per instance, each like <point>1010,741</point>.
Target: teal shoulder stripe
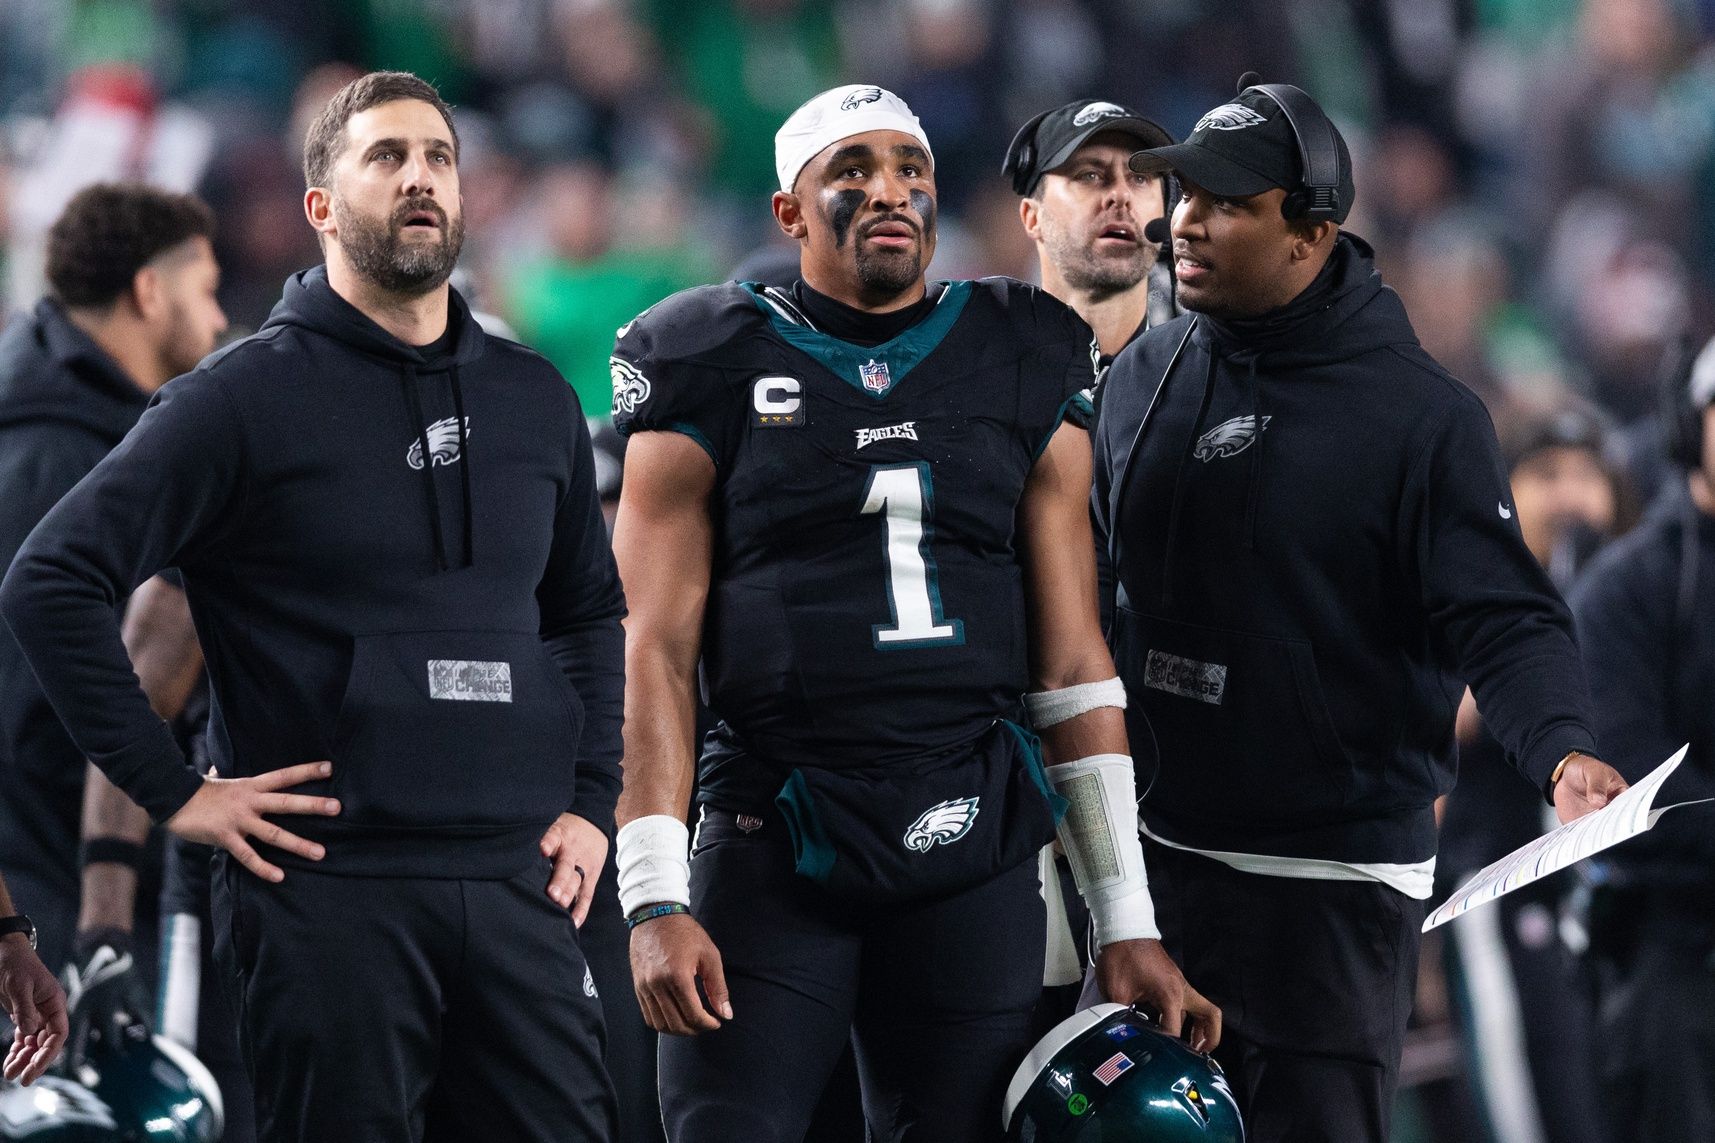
<point>1077,409</point>
<point>876,370</point>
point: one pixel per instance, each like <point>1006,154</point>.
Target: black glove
<point>104,992</point>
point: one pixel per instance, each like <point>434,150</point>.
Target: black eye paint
<point>924,204</point>
<point>844,208</point>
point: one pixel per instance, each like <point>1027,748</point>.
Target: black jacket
<point>394,562</point>
<point>1296,607</point>
<point>64,403</point>
<point>1645,612</point>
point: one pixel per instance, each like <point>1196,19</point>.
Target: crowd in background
<point>1527,169</point>
<point>1531,172</point>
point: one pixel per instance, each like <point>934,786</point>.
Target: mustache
<point>903,220</point>
<point>422,204</point>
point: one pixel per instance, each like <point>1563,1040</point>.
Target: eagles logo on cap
<point>1229,117</point>
<point>1096,111</point>
<point>860,97</point>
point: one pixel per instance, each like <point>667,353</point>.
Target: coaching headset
<point>1318,197</point>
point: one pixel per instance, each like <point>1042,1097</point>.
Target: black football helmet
<point>1109,1074</point>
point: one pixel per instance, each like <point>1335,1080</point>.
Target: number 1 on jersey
<point>904,497</point>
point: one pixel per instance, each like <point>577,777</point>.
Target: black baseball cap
<point>1242,148</point>
<point>1063,130</point>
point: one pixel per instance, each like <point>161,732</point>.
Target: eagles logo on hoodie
<point>443,443</point>
<point>1228,438</point>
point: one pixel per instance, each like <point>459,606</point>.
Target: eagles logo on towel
<point>443,443</point>
<point>1228,438</point>
<point>942,824</point>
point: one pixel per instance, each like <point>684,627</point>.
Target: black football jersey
<point>867,601</point>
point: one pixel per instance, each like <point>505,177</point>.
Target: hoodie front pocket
<point>446,729</point>
<point>1239,720</point>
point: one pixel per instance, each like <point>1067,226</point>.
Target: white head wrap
<point>839,114</point>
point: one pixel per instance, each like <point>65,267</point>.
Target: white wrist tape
<point>1047,708</point>
<point>653,857</point>
<point>1102,845</point>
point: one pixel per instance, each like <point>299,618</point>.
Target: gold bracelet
<point>1561,768</point>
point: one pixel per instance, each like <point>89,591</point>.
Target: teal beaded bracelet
<point>650,912</point>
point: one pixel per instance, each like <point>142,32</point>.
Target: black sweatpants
<point>1654,959</point>
<point>400,1010</point>
<point>936,999</point>
<point>1314,980</point>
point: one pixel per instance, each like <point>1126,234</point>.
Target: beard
<point>1084,269</point>
<point>185,345</point>
<point>377,250</point>
<point>889,271</point>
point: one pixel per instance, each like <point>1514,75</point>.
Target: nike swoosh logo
<point>1506,513</point>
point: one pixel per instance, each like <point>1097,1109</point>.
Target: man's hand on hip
<point>1140,972</point>
<point>228,812</point>
<point>578,851</point>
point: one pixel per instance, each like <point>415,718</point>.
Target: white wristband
<point>653,857</point>
<point>1102,845</point>
<point>1047,708</point>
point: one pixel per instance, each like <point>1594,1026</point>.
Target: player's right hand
<point>228,812</point>
<point>669,955</point>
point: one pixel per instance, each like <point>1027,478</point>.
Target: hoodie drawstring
<point>428,458</point>
<point>1179,482</point>
<point>464,465</point>
<point>1255,494</point>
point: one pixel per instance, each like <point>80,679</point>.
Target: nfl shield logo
<point>875,375</point>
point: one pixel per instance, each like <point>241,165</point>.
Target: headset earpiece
<point>1021,155</point>
<point>1318,197</point>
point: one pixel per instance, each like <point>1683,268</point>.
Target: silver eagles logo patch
<point>942,824</point>
<point>1228,438</point>
<point>443,443</point>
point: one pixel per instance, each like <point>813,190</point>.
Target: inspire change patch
<point>1187,678</point>
<point>470,680</point>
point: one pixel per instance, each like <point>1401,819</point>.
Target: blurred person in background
<point>1520,1009</point>
<point>132,280</point>
<point>30,998</point>
<point>568,301</point>
<point>1646,619</point>
<point>1087,213</point>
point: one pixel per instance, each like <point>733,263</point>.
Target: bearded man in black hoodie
<point>1313,550</point>
<point>414,647</point>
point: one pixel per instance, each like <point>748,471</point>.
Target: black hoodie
<point>64,404</point>
<point>1645,608</point>
<point>394,562</point>
<point>1296,607</point>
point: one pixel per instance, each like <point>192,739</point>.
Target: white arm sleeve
<point>1102,844</point>
<point>652,854</point>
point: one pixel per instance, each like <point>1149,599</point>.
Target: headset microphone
<point>1157,231</point>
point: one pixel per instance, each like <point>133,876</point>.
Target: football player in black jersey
<point>862,503</point>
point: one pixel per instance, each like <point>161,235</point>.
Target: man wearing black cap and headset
<point>1645,613</point>
<point>1089,216</point>
<point>1313,545</point>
